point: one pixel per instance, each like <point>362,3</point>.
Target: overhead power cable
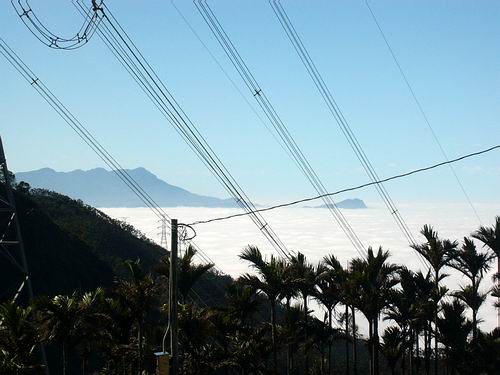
<point>421,109</point>
<point>340,119</point>
<point>223,70</point>
<point>353,188</point>
<point>286,138</point>
<point>50,39</point>
<point>124,49</point>
<point>88,137</point>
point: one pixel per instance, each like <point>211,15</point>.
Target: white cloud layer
<point>314,232</point>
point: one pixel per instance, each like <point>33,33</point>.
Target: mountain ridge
<point>99,187</point>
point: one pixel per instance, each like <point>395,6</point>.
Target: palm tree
<point>188,273</point>
<point>242,302</point>
<point>328,295</point>
<point>487,346</point>
<point>402,311</point>
<point>490,237</point>
<point>439,253</point>
<point>288,292</point>
<point>454,328</point>
<point>305,275</point>
<point>94,327</point>
<point>60,321</point>
<point>393,343</point>
<point>250,350</point>
<point>472,264</point>
<point>18,336</point>
<point>495,292</point>
<point>293,332</point>
<point>335,290</point>
<point>195,330</point>
<point>374,279</point>
<point>423,311</point>
<point>473,299</point>
<point>116,343</point>
<point>269,282</point>
<point>139,296</point>
<point>319,333</point>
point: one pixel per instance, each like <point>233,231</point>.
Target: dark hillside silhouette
<point>58,261</point>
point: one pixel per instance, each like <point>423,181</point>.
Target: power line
<point>223,70</point>
<point>50,39</point>
<point>421,109</point>
<point>287,140</point>
<point>353,188</point>
<point>86,136</point>
<point>124,49</point>
<point>339,117</point>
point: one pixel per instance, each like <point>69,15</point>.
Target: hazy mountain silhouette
<point>347,203</point>
<point>102,188</point>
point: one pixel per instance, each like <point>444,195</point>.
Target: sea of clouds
<point>314,232</point>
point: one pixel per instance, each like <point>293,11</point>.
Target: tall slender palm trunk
<point>411,361</point>
<point>498,299</point>
<point>474,314</point>
<point>330,324</point>
<point>370,346</point>
<point>436,353</point>
<point>306,337</point>
<point>403,362</point>
<point>322,352</point>
<point>375,346</point>
<point>417,352</point>
<point>474,324</point>
<point>427,341</point>
<point>289,359</point>
<point>64,357</point>
<point>273,334</point>
<point>347,339</point>
<point>354,342</point>
<point>85,356</point>
<point>139,334</point>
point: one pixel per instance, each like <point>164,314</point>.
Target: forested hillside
<point>72,246</point>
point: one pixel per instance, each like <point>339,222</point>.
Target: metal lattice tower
<point>11,240</point>
<point>163,233</point>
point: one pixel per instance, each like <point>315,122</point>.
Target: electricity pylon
<point>11,240</point>
<point>163,233</point>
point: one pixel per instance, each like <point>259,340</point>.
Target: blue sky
<point>449,50</point>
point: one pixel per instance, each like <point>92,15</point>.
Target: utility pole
<point>173,300</point>
<point>11,240</point>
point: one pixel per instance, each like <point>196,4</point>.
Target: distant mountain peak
<point>46,169</point>
<point>102,188</point>
<point>353,203</point>
<point>140,170</point>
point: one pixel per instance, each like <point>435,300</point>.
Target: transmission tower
<point>11,241</point>
<point>163,233</point>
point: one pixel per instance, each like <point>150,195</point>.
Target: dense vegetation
<point>262,322</point>
<point>72,246</point>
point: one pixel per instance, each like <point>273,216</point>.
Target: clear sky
<point>448,49</point>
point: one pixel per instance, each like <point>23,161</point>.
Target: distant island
<point>102,188</point>
<point>346,203</point>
